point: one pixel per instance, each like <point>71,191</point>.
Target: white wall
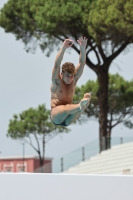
<point>65,187</point>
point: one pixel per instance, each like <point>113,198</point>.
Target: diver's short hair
<point>68,67</point>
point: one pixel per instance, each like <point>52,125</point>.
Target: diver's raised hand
<point>82,41</point>
<point>67,43</point>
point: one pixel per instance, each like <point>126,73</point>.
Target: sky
<point>25,80</point>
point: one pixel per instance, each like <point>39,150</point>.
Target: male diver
<point>63,111</point>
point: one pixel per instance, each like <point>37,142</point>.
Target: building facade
<point>19,164</point>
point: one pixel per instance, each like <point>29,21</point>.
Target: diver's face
<point>67,78</point>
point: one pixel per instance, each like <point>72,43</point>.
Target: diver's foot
<point>83,103</point>
<point>87,95</point>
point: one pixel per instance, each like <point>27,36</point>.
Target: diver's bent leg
<point>72,118</point>
<point>60,113</point>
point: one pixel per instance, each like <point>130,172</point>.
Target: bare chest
<point>65,91</point>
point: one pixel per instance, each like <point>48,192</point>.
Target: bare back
<point>62,93</point>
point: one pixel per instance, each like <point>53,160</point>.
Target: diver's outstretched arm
<point>82,57</point>
<point>56,70</point>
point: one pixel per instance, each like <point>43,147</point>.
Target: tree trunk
<point>108,138</point>
<point>43,151</point>
<point>104,143</point>
<point>103,105</point>
<point>43,155</point>
<point>40,159</point>
<point>108,142</point>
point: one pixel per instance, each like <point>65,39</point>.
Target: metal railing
<point>83,153</point>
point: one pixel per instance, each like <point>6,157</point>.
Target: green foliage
<point>90,86</point>
<point>111,19</point>
<point>107,24</point>
<point>47,20</point>
<point>120,95</point>
<point>42,20</point>
<point>33,121</point>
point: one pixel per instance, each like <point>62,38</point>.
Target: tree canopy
<point>51,21</point>
<point>34,123</point>
<point>120,107</point>
<point>107,24</point>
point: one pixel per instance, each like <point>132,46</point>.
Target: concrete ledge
<point>28,186</point>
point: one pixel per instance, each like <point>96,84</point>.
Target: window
<point>8,169</point>
<point>21,169</point>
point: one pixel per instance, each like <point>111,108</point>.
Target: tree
<point>120,107</point>
<point>107,25</point>
<point>34,123</point>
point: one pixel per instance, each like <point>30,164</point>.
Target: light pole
<point>23,155</point>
